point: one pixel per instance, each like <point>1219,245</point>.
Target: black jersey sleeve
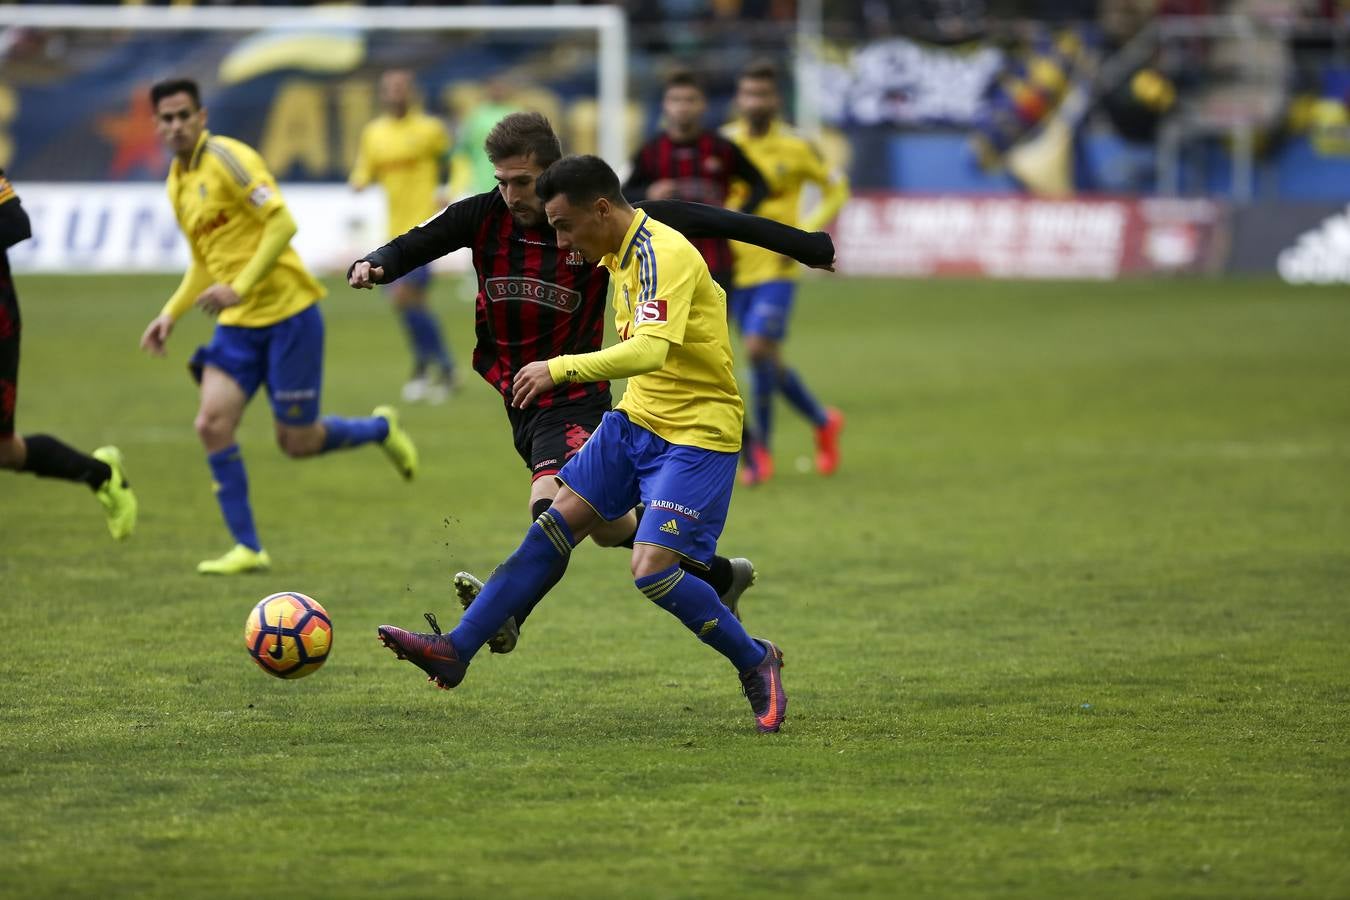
<point>699,220</point>
<point>14,224</point>
<point>454,227</point>
<point>745,170</point>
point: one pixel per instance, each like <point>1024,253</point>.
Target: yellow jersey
<point>787,162</point>
<point>221,199</point>
<point>405,156</point>
<point>662,287</point>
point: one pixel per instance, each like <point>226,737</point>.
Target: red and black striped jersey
<point>14,227</point>
<point>702,170</point>
<point>535,301</point>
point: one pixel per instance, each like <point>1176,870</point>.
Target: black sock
<point>718,573</point>
<point>49,458</point>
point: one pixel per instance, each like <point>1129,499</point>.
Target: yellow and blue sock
<point>231,483</point>
<point>765,383</point>
<point>695,603</point>
<point>790,383</point>
<point>428,344</point>
<point>412,327</point>
<point>341,433</point>
<point>516,582</point>
<point>559,569</point>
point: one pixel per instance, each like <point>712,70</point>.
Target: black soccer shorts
<point>548,437</point>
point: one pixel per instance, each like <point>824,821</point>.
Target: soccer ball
<point>288,634</point>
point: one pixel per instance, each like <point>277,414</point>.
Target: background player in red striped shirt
<point>687,161</point>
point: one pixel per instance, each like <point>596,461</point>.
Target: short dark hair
<point>761,70</point>
<point>527,134</point>
<point>171,86</point>
<point>683,78</point>
<point>581,179</point>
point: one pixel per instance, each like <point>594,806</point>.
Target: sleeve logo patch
<point>260,195</point>
<point>650,311</point>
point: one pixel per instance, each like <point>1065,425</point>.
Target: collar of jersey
<point>630,239</point>
<point>197,151</point>
<point>775,127</point>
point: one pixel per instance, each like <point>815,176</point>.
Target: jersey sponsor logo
<point>260,195</point>
<point>671,506</point>
<point>650,311</point>
<point>202,229</point>
<point>671,527</point>
<point>545,293</point>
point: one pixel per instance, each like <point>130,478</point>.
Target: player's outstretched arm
<point>640,354</point>
<point>447,231</point>
<point>695,220</point>
<point>749,173</point>
<point>363,276</point>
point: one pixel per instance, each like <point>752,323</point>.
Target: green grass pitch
<point>1070,621</point>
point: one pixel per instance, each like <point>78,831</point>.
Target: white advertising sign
<point>83,228</point>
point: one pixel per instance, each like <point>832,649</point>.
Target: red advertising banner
<point>1020,237</point>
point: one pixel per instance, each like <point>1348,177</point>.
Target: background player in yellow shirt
<point>765,281</point>
<point>671,443</point>
<point>269,331</point>
<point>407,153</point>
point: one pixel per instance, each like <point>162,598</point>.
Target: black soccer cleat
<point>763,686</point>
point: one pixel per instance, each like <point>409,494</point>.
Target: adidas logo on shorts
<point>671,527</point>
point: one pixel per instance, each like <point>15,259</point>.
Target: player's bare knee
<point>649,559</point>
<point>215,430</point>
<point>760,350</point>
<point>297,443</point>
<point>578,515</point>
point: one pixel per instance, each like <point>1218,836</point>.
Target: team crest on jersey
<point>574,258</point>
<point>650,311</point>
